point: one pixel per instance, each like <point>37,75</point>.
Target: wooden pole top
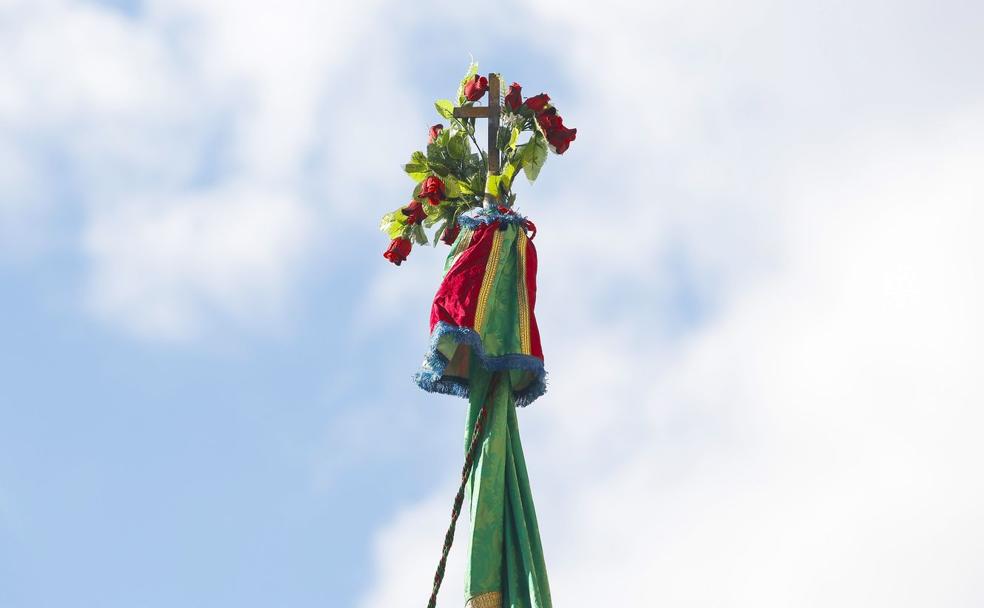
<point>493,124</point>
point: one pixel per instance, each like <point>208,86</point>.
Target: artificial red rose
<point>450,234</point>
<point>560,138</point>
<point>432,189</point>
<point>434,132</point>
<point>398,250</point>
<point>514,98</point>
<point>538,102</point>
<point>415,212</point>
<point>476,87</point>
<point>549,119</point>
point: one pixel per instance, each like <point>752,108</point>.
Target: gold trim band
<point>490,269</point>
<point>492,599</point>
<point>524,300</point>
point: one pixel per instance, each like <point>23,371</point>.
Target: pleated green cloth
<point>505,561</point>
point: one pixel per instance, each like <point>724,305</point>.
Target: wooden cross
<point>492,113</point>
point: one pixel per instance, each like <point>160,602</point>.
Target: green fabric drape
<point>505,556</point>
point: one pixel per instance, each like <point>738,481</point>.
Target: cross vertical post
<point>494,124</point>
<point>492,112</point>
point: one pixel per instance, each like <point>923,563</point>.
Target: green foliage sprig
<point>451,176</point>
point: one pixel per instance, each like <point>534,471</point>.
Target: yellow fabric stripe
<point>490,269</point>
<point>524,300</point>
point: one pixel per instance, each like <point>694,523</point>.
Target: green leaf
<point>512,138</point>
<point>442,137</point>
<point>388,219</point>
<point>435,151</point>
<point>439,168</point>
<point>416,172</point>
<point>418,234</point>
<point>445,108</point>
<point>492,185</point>
<point>464,187</point>
<point>451,188</point>
<point>393,224</point>
<point>458,146</point>
<point>417,167</point>
<point>507,175</point>
<point>434,215</point>
<point>456,188</point>
<point>477,182</point>
<point>502,140</point>
<point>534,155</point>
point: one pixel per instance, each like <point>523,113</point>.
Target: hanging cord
<point>460,497</point>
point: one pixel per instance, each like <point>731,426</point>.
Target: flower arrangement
<point>452,177</point>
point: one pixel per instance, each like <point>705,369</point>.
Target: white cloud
<point>280,60</point>
<point>826,450</point>
<point>157,264</point>
<point>193,139</point>
<point>22,207</point>
<point>406,566</point>
<point>812,442</point>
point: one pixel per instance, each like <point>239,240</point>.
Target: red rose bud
<point>434,131</point>
<point>538,102</point>
<point>432,189</point>
<point>450,234</point>
<point>560,138</point>
<point>415,212</point>
<point>514,98</point>
<point>476,87</point>
<point>398,250</point>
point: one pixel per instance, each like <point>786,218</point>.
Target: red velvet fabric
<point>457,297</point>
<point>535,347</point>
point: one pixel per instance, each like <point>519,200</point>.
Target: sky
<point>759,299</point>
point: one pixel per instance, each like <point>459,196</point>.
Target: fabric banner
<point>505,566</point>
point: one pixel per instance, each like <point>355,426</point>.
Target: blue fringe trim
<point>432,379</point>
<point>479,216</point>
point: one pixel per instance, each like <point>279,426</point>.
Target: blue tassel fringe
<point>474,218</point>
<point>431,377</point>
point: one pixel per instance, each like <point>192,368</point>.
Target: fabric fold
<point>505,555</point>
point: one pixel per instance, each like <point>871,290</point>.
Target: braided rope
<point>460,497</point>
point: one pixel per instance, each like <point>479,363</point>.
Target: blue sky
<point>756,301</point>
